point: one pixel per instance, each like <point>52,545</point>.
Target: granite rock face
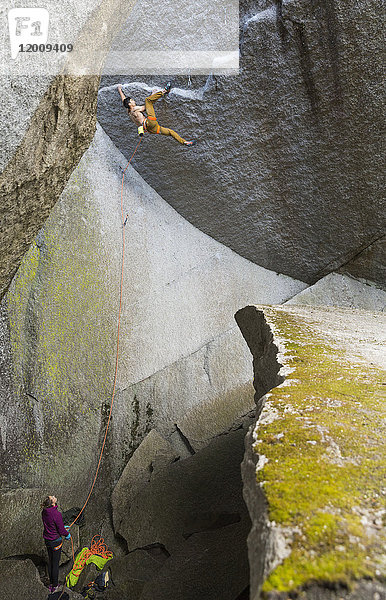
<point>287,168</point>
<point>130,574</point>
<point>48,118</point>
<point>370,264</point>
<point>313,469</point>
<point>286,174</point>
<point>179,345</point>
<point>192,509</point>
<point>20,517</point>
<point>212,565</point>
<point>153,454</point>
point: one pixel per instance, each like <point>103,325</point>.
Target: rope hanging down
<point>118,338</point>
<point>124,220</point>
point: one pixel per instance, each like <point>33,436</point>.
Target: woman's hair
<point>47,502</point>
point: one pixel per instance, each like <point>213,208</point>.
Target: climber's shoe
<point>190,143</point>
<point>167,87</point>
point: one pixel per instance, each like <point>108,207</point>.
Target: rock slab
<point>317,454</point>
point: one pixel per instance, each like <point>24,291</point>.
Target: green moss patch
<point>326,460</point>
<point>62,335</point>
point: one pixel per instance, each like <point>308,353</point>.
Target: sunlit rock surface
<point>340,290</point>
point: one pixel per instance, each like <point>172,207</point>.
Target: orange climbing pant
<point>151,122</point>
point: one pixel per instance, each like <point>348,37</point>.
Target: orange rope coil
<point>98,547</point>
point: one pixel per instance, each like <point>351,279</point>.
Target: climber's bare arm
<point>122,95</point>
<point>141,108</point>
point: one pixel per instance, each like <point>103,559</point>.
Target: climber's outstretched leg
<point>167,131</point>
<point>151,123</point>
<point>149,102</point>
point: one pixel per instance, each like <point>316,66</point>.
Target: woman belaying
<point>150,123</point>
<point>53,531</point>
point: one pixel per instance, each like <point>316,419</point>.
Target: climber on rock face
<point>149,123</point>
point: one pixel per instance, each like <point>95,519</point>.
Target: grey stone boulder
<point>340,290</point>
<point>193,509</point>
<point>199,493</point>
<point>314,454</point>
<point>130,573</point>
<point>48,118</point>
<point>210,565</point>
<point>362,590</point>
<point>209,419</point>
<point>153,455</point>
<point>20,579</point>
<point>286,171</point>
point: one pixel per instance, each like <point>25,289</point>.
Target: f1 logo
<point>27,26</point>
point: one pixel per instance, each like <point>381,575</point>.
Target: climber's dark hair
<point>47,502</point>
<point>126,102</point>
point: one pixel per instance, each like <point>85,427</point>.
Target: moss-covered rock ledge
<point>315,461</point>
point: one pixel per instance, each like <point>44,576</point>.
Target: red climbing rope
<point>98,547</point>
<point>118,338</point>
<point>99,544</point>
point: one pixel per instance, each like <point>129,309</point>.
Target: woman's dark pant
<point>54,550</point>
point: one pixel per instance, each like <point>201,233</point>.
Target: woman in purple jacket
<point>53,531</point>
